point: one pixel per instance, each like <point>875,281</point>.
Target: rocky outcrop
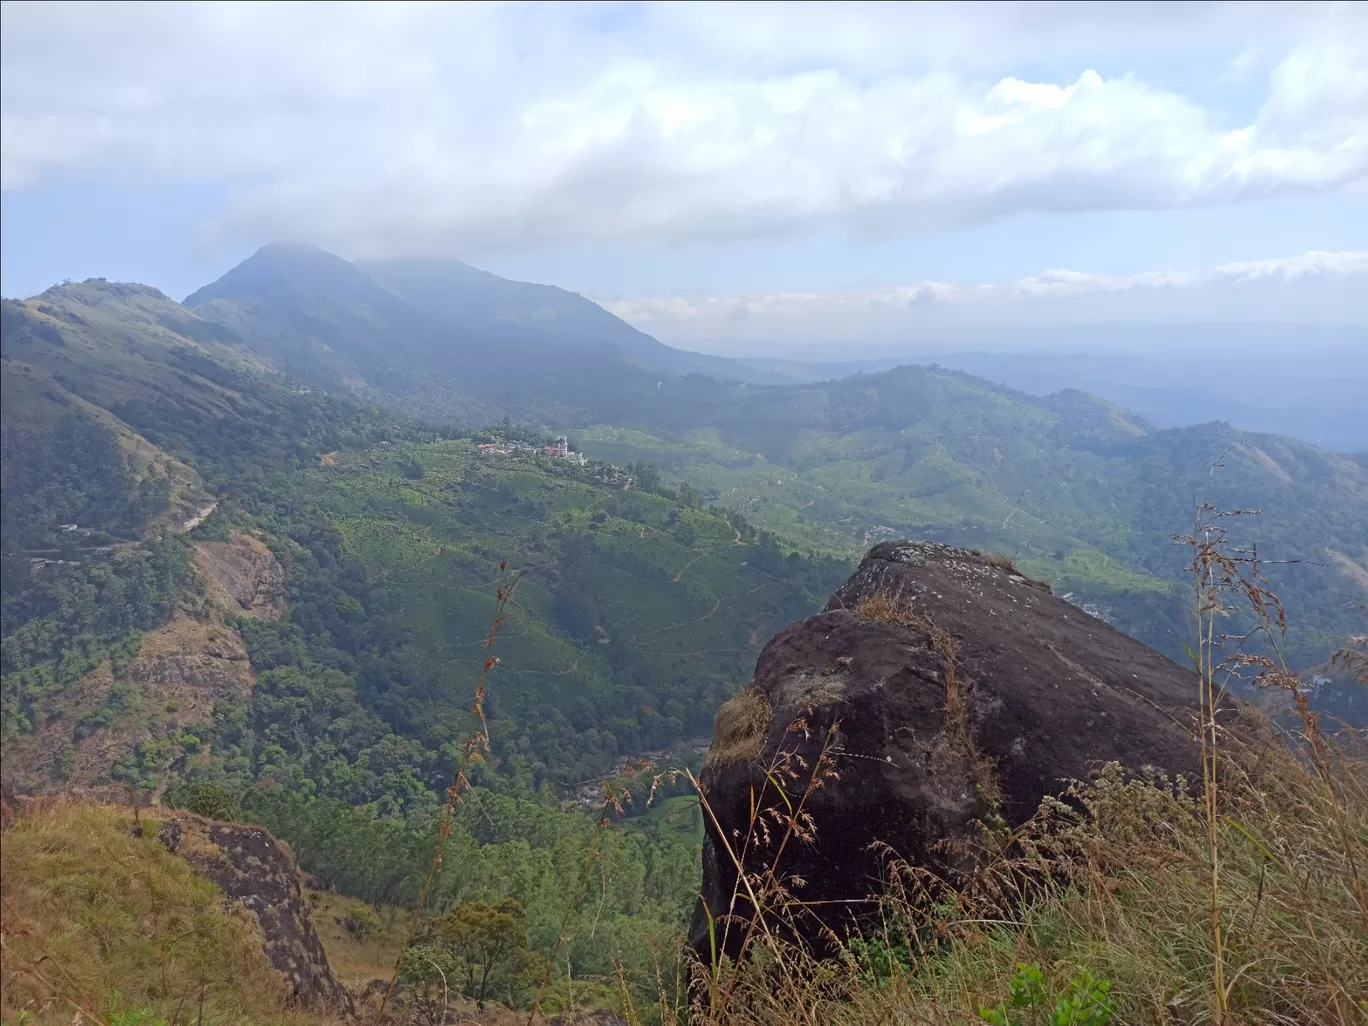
<point>242,576</point>
<point>182,670</point>
<point>940,686</point>
<point>258,874</point>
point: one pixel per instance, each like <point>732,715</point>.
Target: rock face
<point>242,576</point>
<point>952,686</point>
<point>257,873</point>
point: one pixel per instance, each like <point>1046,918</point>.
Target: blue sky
<point>690,164</point>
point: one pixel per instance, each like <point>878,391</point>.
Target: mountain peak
<point>286,266</point>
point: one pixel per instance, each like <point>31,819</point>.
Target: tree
<point>203,799</point>
<point>489,942</point>
<point>426,978</point>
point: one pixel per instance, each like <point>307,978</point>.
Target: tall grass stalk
<point>475,748</point>
<point>774,812</point>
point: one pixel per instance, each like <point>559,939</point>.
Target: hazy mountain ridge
<point>471,299</point>
<point>440,339</point>
<point>1084,491</point>
<point>1306,381</point>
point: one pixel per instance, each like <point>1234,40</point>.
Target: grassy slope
<point>95,346</point>
<point>98,920</point>
<point>1129,903</point>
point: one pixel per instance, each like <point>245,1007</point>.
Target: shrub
<point>203,799</point>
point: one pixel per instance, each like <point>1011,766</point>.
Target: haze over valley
<point>642,511</point>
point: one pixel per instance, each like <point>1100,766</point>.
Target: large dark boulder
<point>945,688</point>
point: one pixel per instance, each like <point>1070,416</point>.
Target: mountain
<point>327,323</point>
<point>1085,494</point>
<point>1084,491</point>
<point>1307,381</point>
<point>340,553</point>
<point>78,353</point>
<point>231,582</point>
<point>439,339</point>
<point>472,299</point>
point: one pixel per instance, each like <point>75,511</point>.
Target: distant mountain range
<point>1084,492</point>
<point>1310,382</point>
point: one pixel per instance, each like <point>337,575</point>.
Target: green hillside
<point>1085,494</point>
<point>634,613</point>
<point>636,610</point>
<point>1082,493</point>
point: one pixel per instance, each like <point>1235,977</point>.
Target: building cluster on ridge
<point>559,449</point>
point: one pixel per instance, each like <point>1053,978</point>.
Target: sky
<point>726,176</point>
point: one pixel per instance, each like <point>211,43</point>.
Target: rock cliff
<point>258,873</point>
<point>943,686</point>
<point>242,576</point>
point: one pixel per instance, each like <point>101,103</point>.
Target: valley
<point>298,496</point>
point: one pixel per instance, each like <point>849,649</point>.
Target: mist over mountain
<point>1294,379</point>
<point>472,299</point>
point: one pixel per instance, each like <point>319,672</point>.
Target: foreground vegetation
<point>1117,930</point>
<point>1239,898</point>
<point>113,929</point>
<point>1125,901</point>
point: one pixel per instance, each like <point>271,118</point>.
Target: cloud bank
<point>476,129</point>
<point>1320,288</point>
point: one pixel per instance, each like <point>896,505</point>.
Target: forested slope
<point>636,609</point>
<point>1085,493</point>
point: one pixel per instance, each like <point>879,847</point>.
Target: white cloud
<point>473,129</point>
<point>1256,289</point>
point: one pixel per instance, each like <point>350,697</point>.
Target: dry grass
<point>739,734</point>
<point>356,961</point>
<point>1008,563</point>
<point>1117,880</point>
<point>91,911</point>
<point>1000,561</point>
